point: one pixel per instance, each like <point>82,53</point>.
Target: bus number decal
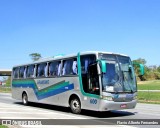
<point>93,101</point>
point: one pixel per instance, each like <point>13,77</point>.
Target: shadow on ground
<point>91,114</point>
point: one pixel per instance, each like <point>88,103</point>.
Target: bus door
<point>93,87</point>
<point>90,81</point>
<point>93,79</point>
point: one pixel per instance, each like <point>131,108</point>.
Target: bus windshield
<point>120,74</point>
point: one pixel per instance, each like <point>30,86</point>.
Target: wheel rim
<point>75,105</point>
<point>24,99</point>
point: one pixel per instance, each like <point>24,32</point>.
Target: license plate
<point>123,106</point>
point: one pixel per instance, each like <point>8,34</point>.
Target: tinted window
<point>86,60</point>
<point>53,68</point>
<point>21,72</point>
<point>42,70</point>
<point>69,67</point>
<point>74,67</point>
<point>30,71</point>
<point>25,72</point>
<point>15,72</point>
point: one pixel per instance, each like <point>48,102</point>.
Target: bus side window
<point>59,69</point>
<point>74,67</point>
<point>53,68</point>
<point>64,67</point>
<point>42,70</point>
<point>15,72</point>
<point>67,67</point>
<point>21,72</point>
<point>30,71</point>
<point>46,70</point>
<point>25,72</point>
<point>86,61</point>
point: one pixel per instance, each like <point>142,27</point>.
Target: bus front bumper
<point>111,105</point>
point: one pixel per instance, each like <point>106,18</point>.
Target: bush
<point>157,75</point>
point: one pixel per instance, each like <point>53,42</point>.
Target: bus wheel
<point>75,105</point>
<point>25,99</point>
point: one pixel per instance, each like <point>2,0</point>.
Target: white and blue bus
<point>93,80</point>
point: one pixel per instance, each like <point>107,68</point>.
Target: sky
<point>52,27</point>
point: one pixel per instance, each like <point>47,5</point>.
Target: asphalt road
<point>13,109</point>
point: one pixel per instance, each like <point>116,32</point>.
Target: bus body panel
<point>61,99</point>
<point>58,90</point>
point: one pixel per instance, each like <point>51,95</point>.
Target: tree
<point>8,81</point>
<point>158,68</point>
<point>35,56</point>
<point>140,61</point>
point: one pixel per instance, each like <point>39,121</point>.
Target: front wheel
<point>25,99</point>
<point>75,105</point>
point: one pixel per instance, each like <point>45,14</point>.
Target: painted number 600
<point>93,101</point>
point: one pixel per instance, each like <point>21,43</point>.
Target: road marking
<point>25,111</point>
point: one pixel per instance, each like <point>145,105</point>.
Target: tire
<point>75,106</point>
<point>25,99</point>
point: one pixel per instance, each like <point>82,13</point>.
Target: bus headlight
<point>109,98</point>
<point>135,97</point>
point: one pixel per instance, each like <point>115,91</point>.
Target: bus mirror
<point>141,68</point>
<point>103,66</point>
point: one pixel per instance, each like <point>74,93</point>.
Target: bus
<point>91,80</point>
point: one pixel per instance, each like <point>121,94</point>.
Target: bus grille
<point>128,99</point>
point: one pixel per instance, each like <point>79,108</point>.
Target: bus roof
<point>62,56</point>
<point>90,52</point>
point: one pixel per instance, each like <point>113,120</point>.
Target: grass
<point>149,85</point>
<point>4,89</point>
<point>3,126</point>
<point>149,97</point>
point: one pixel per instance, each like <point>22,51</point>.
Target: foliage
<point>35,56</point>
<point>140,61</point>
<point>158,69</point>
<point>8,81</point>
<point>151,72</point>
<point>157,75</point>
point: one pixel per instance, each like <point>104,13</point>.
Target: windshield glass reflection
<point>120,74</point>
<point>127,73</point>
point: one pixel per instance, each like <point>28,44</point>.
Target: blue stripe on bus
<point>56,91</point>
<point>45,94</point>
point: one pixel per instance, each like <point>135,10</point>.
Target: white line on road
<point>34,112</point>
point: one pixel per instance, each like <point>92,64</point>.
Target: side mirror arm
<point>103,65</point>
